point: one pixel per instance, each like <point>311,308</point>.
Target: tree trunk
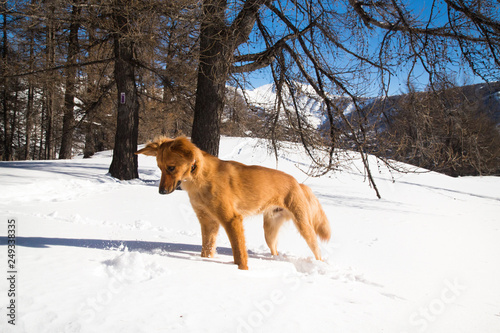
<point>7,150</point>
<point>89,149</point>
<point>49,122</point>
<point>41,148</point>
<point>124,165</point>
<point>69,95</point>
<point>210,98</point>
<point>49,88</point>
<point>218,41</point>
<point>29,120</point>
<point>212,76</point>
<point>31,97</point>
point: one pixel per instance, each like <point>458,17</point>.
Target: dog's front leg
<point>209,231</point>
<point>236,235</point>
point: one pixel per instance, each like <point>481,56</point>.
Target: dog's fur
<point>225,192</point>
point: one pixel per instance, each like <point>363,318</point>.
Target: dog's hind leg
<point>306,230</point>
<point>273,220</point>
<point>302,220</point>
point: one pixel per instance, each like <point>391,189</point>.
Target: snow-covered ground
<point>99,255</point>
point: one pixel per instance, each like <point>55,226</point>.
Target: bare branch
<point>399,26</point>
<point>475,16</point>
<point>56,68</point>
<point>242,26</point>
<point>264,58</point>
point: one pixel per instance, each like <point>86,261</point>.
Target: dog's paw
<point>243,267</point>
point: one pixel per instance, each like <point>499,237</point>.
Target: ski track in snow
<point>96,254</point>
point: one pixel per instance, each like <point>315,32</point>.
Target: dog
<point>223,193</point>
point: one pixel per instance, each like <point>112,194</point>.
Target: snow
<point>309,104</point>
<point>99,255</point>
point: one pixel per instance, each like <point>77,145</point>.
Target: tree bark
<point>218,41</point>
<point>69,94</point>
<point>29,119</point>
<point>49,87</point>
<point>31,98</point>
<point>124,164</point>
<point>212,77</point>
<point>7,149</point>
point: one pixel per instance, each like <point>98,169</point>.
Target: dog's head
<point>176,159</point>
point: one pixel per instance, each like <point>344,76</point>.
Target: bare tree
<point>132,30</point>
<point>343,49</point>
<point>338,48</point>
<point>50,87</point>
<point>7,137</point>
<point>70,88</point>
<point>444,130</point>
<point>218,42</point>
<point>124,163</point>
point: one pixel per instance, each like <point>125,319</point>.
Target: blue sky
<point>421,9</point>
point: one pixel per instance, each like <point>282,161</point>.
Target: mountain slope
<point>486,96</point>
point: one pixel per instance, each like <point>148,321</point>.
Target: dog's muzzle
<point>165,191</point>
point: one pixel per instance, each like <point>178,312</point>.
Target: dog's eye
<point>170,168</point>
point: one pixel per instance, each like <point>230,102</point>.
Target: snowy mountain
<point>313,109</point>
<point>94,254</point>
<point>310,105</point>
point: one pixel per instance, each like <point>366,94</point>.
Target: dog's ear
<point>151,149</point>
<point>183,146</point>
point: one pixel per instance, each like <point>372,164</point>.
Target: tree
<point>338,48</point>
<point>64,96</point>
<point>49,86</point>
<point>345,50</point>
<point>444,130</point>
<point>218,42</point>
<point>134,25</point>
<point>7,137</point>
<point>70,89</point>
<point>124,163</point>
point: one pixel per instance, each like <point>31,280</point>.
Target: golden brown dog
<point>225,192</point>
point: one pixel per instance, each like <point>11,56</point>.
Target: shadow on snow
<point>169,249</point>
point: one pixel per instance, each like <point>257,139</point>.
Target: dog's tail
<point>318,216</point>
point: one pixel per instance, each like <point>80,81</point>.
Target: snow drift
<point>99,255</point>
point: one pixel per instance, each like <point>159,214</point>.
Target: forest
<point>80,76</point>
